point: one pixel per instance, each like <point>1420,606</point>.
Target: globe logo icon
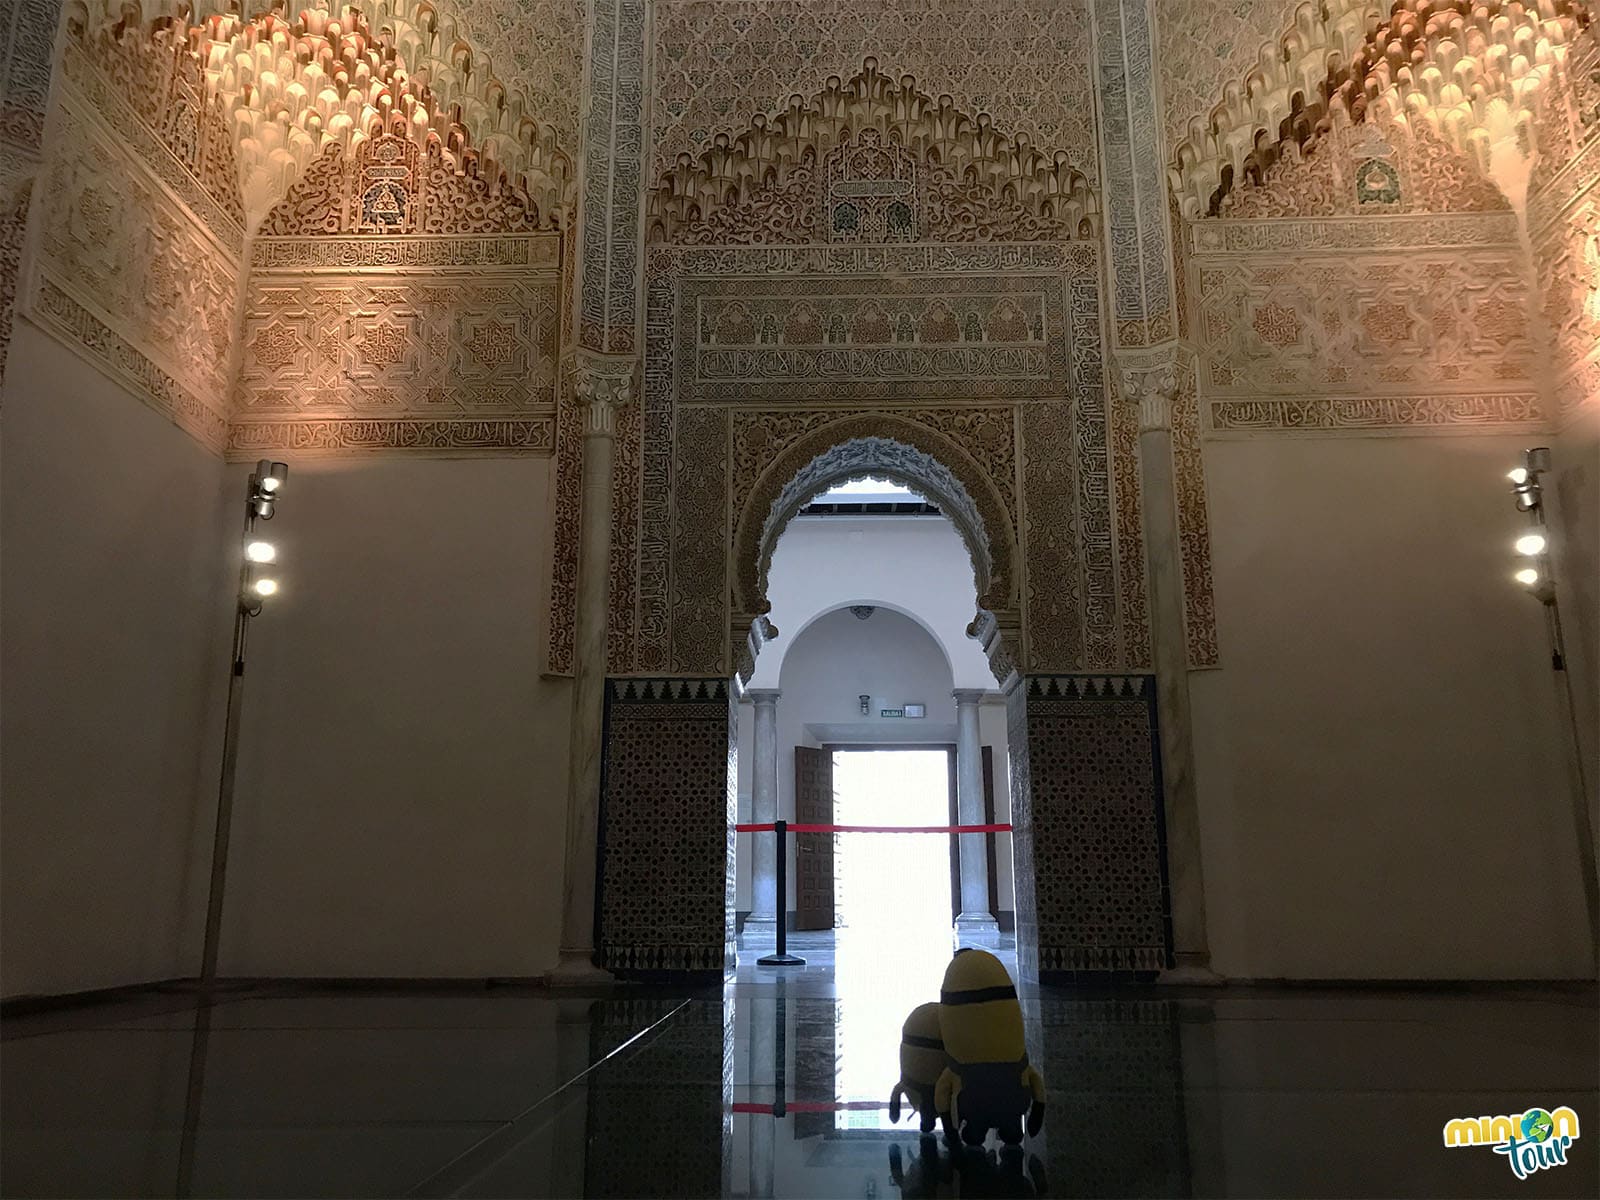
<point>1537,1125</point>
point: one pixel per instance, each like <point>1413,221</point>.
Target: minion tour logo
<point>1532,1141</point>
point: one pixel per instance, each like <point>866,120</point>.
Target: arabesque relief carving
<point>1564,223</point>
<point>1473,73</point>
<point>132,280</point>
<point>291,87</point>
<point>871,160</point>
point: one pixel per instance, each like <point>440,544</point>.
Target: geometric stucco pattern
<point>1564,224</point>
<point>27,33</point>
<point>438,360</point>
<point>394,304</point>
<point>131,278</point>
<point>1376,282</point>
<point>719,66</point>
<point>1447,321</point>
<point>698,446</point>
<point>1139,240</point>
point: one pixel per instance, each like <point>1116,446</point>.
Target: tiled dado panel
<point>1128,1054</point>
<point>1089,838</point>
<point>666,826</point>
<point>420,343</point>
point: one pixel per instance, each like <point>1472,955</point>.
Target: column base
<point>977,929</point>
<point>1190,970</point>
<point>577,969</point>
<point>758,933</point>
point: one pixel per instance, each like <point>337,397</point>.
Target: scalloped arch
<point>883,445</point>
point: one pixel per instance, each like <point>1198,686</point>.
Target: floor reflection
<point>776,1086</point>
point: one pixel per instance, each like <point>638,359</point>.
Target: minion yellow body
<point>989,1083</point>
<point>922,1059</point>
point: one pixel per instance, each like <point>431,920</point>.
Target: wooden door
<point>813,852</point>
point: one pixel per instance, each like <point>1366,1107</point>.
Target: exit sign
<point>892,712</point>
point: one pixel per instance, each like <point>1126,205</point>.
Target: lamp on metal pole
<point>257,581</point>
<point>1535,575</point>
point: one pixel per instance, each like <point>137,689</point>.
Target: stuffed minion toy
<point>922,1058</point>
<point>989,1083</point>
<point>926,1177</point>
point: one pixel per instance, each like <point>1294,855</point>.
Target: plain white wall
<point>1379,760</point>
<point>915,565</point>
<point>115,613</point>
<point>402,781</point>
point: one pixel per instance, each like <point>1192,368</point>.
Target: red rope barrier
<point>811,1106</point>
<point>768,827</point>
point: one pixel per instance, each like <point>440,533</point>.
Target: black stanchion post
<point>780,1065</point>
<point>782,958</point>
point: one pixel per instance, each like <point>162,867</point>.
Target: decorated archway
<point>908,454</point>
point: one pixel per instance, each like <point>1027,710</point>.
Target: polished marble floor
<point>775,1085</point>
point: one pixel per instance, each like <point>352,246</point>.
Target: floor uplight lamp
<point>1533,548</point>
<point>257,582</point>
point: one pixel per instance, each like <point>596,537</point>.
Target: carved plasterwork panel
<point>1041,469</point>
<point>27,40</point>
<point>445,343</point>
<point>388,185</point>
<point>1370,322</point>
<point>154,93</point>
<point>1473,73</point>
<point>614,174</point>
<point>290,84</point>
<point>805,338</point>
<point>870,161</point>
<point>1564,221</point>
<point>1207,44</point>
<point>1376,167</point>
<point>1142,296</point>
<point>1022,63</point>
<point>16,189</point>
<point>130,278</point>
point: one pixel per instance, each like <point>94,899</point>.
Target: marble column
<point>761,925</point>
<point>976,926</point>
<point>601,395</point>
<point>1153,385</point>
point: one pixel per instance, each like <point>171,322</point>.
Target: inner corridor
<point>764,1089</point>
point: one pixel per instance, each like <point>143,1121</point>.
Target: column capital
<point>602,384</point>
<point>969,695</point>
<point>763,695</point>
<point>1151,381</point>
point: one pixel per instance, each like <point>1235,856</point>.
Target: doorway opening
<point>892,895</point>
<point>898,885</point>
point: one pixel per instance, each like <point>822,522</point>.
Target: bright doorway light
<point>892,897</point>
